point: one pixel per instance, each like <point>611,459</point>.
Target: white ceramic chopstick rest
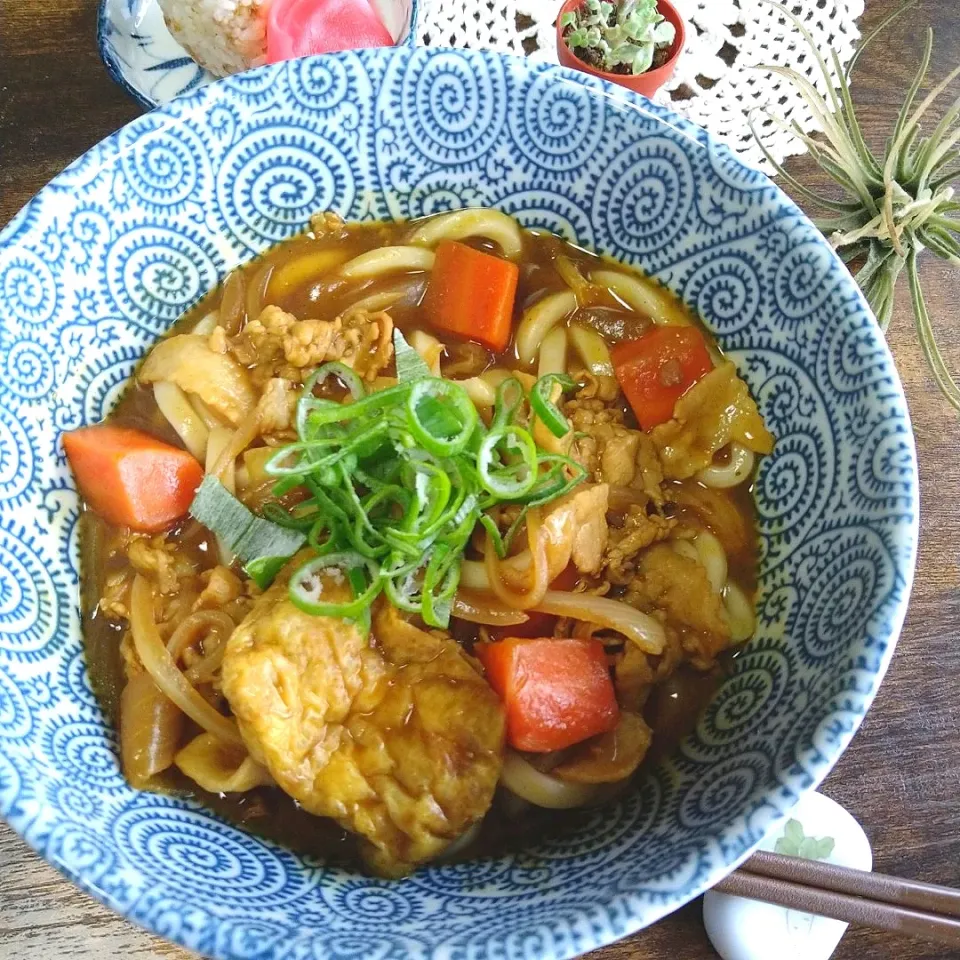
<point>741,929</point>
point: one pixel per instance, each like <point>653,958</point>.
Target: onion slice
<point>542,790</point>
<point>537,583</point>
<point>642,629</point>
<point>199,625</point>
<point>475,608</point>
<point>166,675</point>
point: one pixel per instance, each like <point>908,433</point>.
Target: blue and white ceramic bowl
<point>129,236</point>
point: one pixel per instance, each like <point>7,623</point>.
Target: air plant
<point>615,37</point>
<point>898,204</point>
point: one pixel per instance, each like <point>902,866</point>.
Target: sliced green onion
<point>275,513</point>
<point>490,525</point>
<point>328,526</point>
<point>557,482</point>
<point>508,480</point>
<point>327,411</point>
<point>509,397</point>
<point>544,407</point>
<point>392,485</point>
<point>308,402</point>
<point>347,376</point>
<point>312,456</point>
<point>404,591</point>
<point>439,438</point>
<point>263,570</point>
<point>306,585</point>
<point>357,584</point>
<point>432,490</point>
<point>439,586</point>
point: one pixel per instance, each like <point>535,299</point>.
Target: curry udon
<point>411,530</point>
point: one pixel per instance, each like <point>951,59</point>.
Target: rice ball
<point>225,36</point>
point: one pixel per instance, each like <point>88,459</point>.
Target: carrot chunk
<point>557,692</point>
<point>130,478</point>
<point>658,368</point>
<point>471,294</point>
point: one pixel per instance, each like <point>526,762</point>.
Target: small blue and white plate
<point>140,54</point>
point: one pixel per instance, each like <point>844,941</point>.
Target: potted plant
<point>635,43</point>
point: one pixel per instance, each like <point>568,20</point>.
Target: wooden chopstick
<point>858,883</point>
<point>855,896</point>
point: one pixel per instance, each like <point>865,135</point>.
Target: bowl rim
<point>905,534</point>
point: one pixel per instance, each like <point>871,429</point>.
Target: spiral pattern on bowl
<point>27,286</point>
<point>28,369</point>
<point>321,84</point>
<point>853,362</point>
<point>451,112</point>
<point>752,694</point>
<point>726,786</point>
<point>374,905</point>
<point>725,291</point>
<point>103,381</point>
<point>884,466</point>
<point>247,937</point>
<point>559,127</point>
<point>846,572</point>
<point>18,468</point>
<point>199,855</point>
<point>271,182</point>
<point>804,279</point>
<point>86,752</point>
<point>154,273</point>
<point>441,192</point>
<point>76,681</point>
<point>164,168</point>
<point>643,197</point>
<point>16,720</point>
<point>31,601</point>
<point>78,804</point>
<point>549,210</point>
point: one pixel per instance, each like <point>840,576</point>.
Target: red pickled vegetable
<point>301,28</point>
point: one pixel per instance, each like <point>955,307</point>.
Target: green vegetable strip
<point>440,584</point>
<point>393,484</point>
<point>262,546</point>
<point>545,408</point>
<point>507,403</point>
<point>343,373</point>
<point>410,365</point>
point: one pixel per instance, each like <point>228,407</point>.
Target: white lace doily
<point>716,84</point>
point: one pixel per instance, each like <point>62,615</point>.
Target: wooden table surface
<point>901,776</point>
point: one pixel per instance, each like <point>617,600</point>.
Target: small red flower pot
<point>646,83</point>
